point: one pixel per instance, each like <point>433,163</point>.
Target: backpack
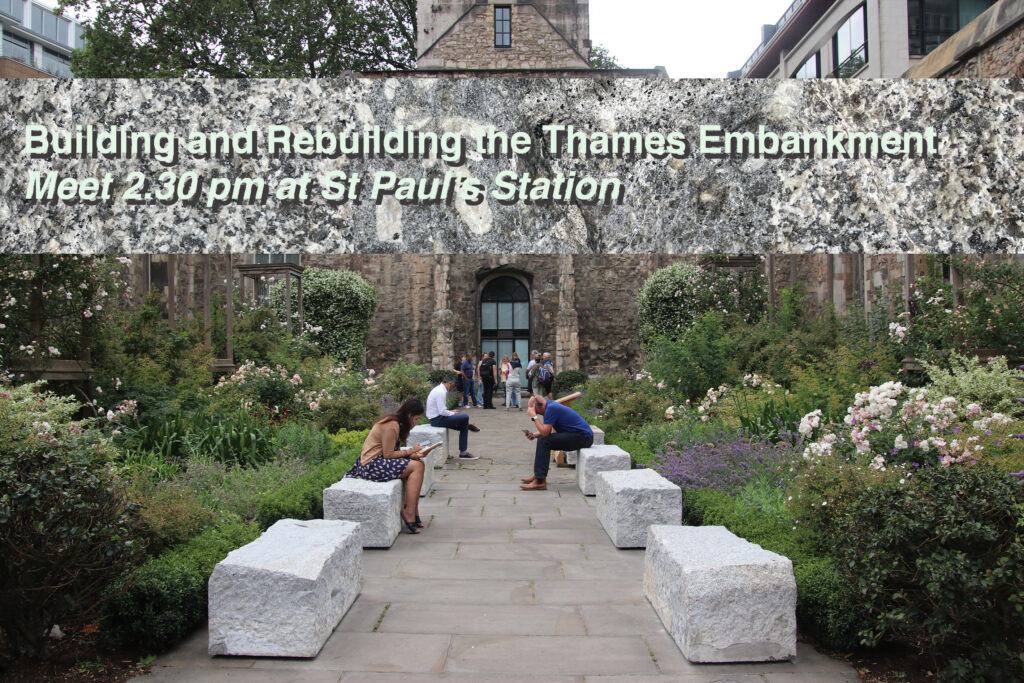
<point>544,373</point>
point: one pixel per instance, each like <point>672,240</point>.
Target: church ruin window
<point>503,26</point>
<point>505,318</point>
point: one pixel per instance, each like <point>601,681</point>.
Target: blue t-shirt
<point>565,419</point>
<point>467,369</point>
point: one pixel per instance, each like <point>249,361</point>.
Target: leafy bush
<point>166,598</point>
<point>66,526</point>
<point>568,381</point>
<point>303,498</point>
<point>830,383</point>
<point>435,377</point>
<point>687,365</point>
<point>403,381</point>
<point>675,297</point>
<point>171,514</point>
<point>350,441</point>
<point>827,606</point>
<point>995,386</point>
<point>939,563</point>
<point>337,308</point>
<point>235,491</point>
<point>303,441</point>
<point>347,414</point>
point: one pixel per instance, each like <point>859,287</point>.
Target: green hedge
<point>166,598</point>
<point>303,498</point>
<point>827,607</point>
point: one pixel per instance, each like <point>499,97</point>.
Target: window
<point>12,8</point>
<point>62,31</point>
<point>505,318</point>
<point>37,19</point>
<point>932,22</point>
<point>502,26</point>
<point>279,258</point>
<point>16,48</point>
<point>811,68</point>
<point>56,64</point>
<point>850,45</point>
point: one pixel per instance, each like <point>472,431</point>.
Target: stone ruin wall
<point>1003,58</point>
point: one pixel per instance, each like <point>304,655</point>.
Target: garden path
<point>502,585</point>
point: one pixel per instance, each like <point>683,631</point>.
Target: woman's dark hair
<point>412,406</point>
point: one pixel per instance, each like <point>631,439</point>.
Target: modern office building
<point>856,38</point>
<point>35,42</point>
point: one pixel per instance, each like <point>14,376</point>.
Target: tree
<point>243,38</point>
<point>601,58</point>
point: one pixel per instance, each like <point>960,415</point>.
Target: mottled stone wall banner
<point>413,164</point>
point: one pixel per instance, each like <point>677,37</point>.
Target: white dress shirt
<point>437,402</point>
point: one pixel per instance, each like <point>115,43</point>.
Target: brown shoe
<point>474,428</point>
<point>537,485</point>
<point>528,480</point>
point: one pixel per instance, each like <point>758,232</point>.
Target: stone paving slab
<point>481,597</point>
<point>484,620</point>
<point>544,656</point>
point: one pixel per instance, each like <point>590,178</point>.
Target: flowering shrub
<point>66,527</point>
<point>891,425</point>
<point>685,365</point>
<point>994,386</point>
<point>725,464</point>
<point>675,297</point>
<point>337,308</point>
<point>71,292</point>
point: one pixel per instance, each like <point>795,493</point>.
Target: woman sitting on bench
<point>382,459</point>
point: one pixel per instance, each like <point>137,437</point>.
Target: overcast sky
<point>691,39</point>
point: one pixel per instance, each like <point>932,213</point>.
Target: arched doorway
<point>505,318</point>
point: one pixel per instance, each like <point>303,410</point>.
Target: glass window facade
<point>811,68</point>
<point>13,8</point>
<point>503,26</point>
<point>56,64</point>
<point>16,48</point>
<point>932,22</point>
<point>850,45</point>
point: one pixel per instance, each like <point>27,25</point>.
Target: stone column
<point>567,330</point>
<point>442,322</point>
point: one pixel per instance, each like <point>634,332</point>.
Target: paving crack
<point>376,627</point>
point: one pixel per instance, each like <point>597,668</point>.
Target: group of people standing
<point>477,383</point>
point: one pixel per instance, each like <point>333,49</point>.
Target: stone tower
<point>503,34</point>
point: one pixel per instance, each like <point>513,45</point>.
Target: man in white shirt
<point>440,416</point>
<point>534,355</point>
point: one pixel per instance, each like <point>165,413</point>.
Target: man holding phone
<point>559,428</point>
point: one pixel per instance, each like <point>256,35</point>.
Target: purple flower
<point>1019,475</point>
<point>1016,436</point>
<point>915,464</point>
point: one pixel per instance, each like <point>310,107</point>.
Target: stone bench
<point>572,457</point>
<point>721,598</point>
<point>283,594</point>
<point>598,459</point>
<point>630,501</point>
<point>435,458</point>
<point>377,506</point>
<point>426,434</point>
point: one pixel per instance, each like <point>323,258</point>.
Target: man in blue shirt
<point>559,428</point>
<point>467,384</point>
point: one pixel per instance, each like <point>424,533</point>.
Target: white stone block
<point>429,435</point>
<point>573,457</point>
<point>630,501</point>
<point>425,434</point>
<point>598,459</point>
<point>377,506</point>
<point>283,594</point>
<point>721,598</point>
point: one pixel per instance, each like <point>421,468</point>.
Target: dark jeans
<point>557,441</point>
<point>459,423</point>
<point>488,391</point>
<point>467,392</point>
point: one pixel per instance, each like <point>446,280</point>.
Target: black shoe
<point>418,522</point>
<point>411,527</point>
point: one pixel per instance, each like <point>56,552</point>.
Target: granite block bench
<point>377,506</point>
<point>283,594</point>
<point>720,597</point>
<point>426,435</point>
<point>630,501</point>
<point>572,457</point>
<point>598,459</point>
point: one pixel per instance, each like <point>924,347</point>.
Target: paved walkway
<point>503,585</point>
